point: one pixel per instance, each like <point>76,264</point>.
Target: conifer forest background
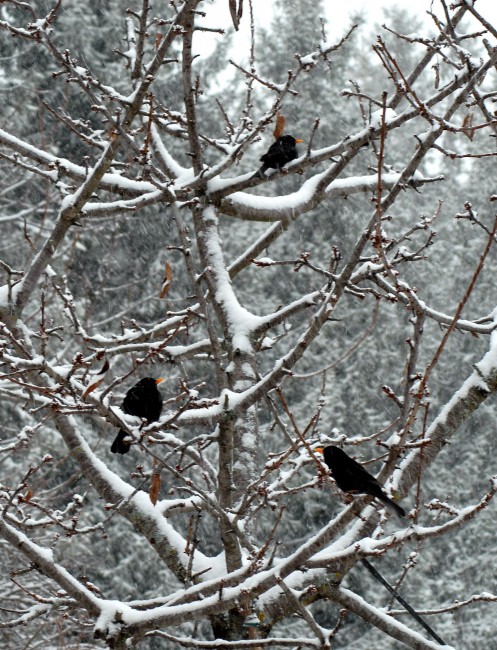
<point>346,297</point>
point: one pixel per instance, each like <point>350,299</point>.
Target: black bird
<point>279,154</point>
<point>142,400</point>
<point>350,476</point>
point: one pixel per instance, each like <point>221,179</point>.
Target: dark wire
<point>404,604</point>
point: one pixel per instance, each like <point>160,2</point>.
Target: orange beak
<point>158,381</point>
<point>319,450</point>
<point>299,141</point>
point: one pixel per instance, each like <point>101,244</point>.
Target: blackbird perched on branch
<point>142,400</point>
<point>350,476</point>
<point>279,154</point>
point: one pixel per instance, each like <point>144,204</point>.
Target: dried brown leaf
<point>467,125</point>
<point>97,380</point>
<point>28,496</point>
<point>166,283</point>
<point>280,127</point>
<point>236,12</point>
<point>153,493</point>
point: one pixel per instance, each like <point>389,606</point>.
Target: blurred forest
<point>347,298</point>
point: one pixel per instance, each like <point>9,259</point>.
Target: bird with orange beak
<point>351,477</point>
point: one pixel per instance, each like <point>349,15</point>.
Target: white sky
<point>339,12</point>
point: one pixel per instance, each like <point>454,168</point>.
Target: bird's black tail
<point>119,446</point>
<point>260,172</point>
<point>392,505</point>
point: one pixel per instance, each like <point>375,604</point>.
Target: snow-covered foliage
<point>314,304</point>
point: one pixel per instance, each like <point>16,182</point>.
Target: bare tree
<point>234,446</point>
